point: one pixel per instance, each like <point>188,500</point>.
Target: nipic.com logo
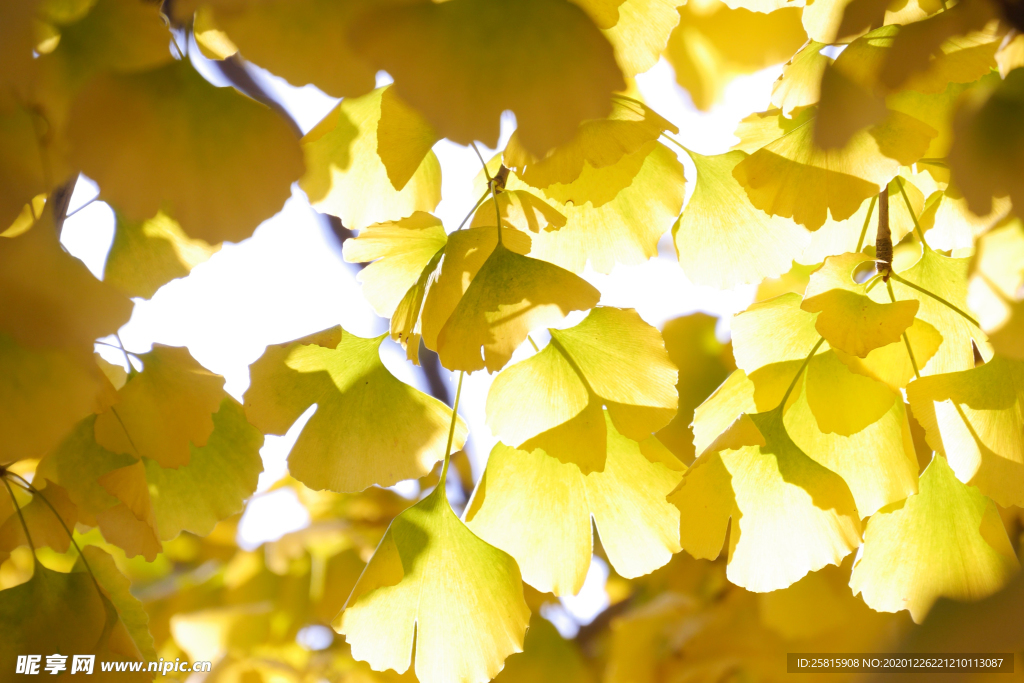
<point>33,665</point>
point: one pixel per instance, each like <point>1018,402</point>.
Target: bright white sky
<point>289,280</point>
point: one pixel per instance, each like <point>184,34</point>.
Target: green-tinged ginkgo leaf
<point>434,587</point>
<point>43,393</point>
<point>946,278</point>
<point>597,143</point>
<point>117,588</point>
<point>163,409</point>
<point>217,161</point>
<point>988,145</point>
<point>148,254</point>
<point>789,515</point>
<point>347,177</point>
<point>510,296</point>
<point>303,41</point>
<point>947,541</point>
<point>539,510</point>
<point>847,318</point>
<point>462,63</point>
<point>612,358</point>
<point>614,214</point>
<point>399,251</point>
<point>54,612</point>
<point>799,85</point>
<point>877,462</point>
<point>714,44</point>
<point>722,240</point>
<point>50,297</point>
<point>704,363</point>
<point>547,657</point>
<point>976,419</point>
<point>792,177</point>
<point>369,428</point>
<point>214,485</point>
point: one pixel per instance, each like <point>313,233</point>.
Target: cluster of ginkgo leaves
<point>857,450</point>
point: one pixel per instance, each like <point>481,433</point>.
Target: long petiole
<point>910,209</point>
<point>906,339</point>
<point>472,211</point>
<point>24,525</point>
<point>867,220</point>
<point>451,432</point>
<point>491,188</point>
<point>799,372</point>
<point>938,298</point>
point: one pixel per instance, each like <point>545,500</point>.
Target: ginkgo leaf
<point>163,409</point>
<point>947,541</point>
<point>946,278</point>
<point>510,296</point>
<point>434,587</point>
<point>844,402</point>
<point>347,177</point>
<point>43,393</point>
<point>596,143</point>
<point>714,44</point>
<point>762,127</point>
<point>217,161</point>
<point>773,331</point>
<point>130,523</point>
<point>148,254</point>
<point>22,168</point>
<point>612,358</point>
<point>949,224</point>
<point>546,656</point>
<point>791,177</point>
<point>789,515</point>
<point>211,39</point>
<point>998,274</point>
<point>50,297</point>
<point>721,239</point>
<point>539,510</point>
<point>219,477</point>
<point>848,319</point>
<point>799,85</point>
<point>704,363</point>
<point>378,432</point>
<point>892,364</point>
<point>640,34</point>
<point>462,63</point>
<point>616,214</point>
<point>291,39</point>
<point>404,138</point>
<point>47,527</point>
<point>399,251</point>
<point>976,419</point>
<point>117,587</point>
<point>987,147</point>
<point>520,209</point>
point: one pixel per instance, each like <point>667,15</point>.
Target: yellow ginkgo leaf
<point>117,588</point>
<point>462,63</point>
<point>50,297</point>
<point>947,541</point>
<point>597,143</point>
<point>976,419</point>
<point>539,510</point>
<point>22,168</point>
<point>520,209</point>
<point>891,364</point>
<point>546,656</point>
<point>946,278</point>
<point>217,161</point>
<point>844,402</point>
<point>949,224</point>
<point>129,523</point>
<point>799,85</point>
<point>211,39</point>
<point>789,515</point>
<point>347,177</point>
<point>722,240</point>
<point>614,214</point>
<point>164,409</point>
<point>773,331</point>
<point>404,138</point>
<point>214,485</point>
<point>399,251</point>
<point>148,254</point>
<point>612,358</point>
<point>758,129</point>
<point>848,319</point>
<point>43,393</point>
<point>986,153</point>
<point>510,296</point>
<point>640,34</point>
<point>303,41</point>
<point>998,275</point>
<point>434,587</point>
<point>792,177</point>
<point>714,44</point>
<point>369,428</point>
<point>47,527</point>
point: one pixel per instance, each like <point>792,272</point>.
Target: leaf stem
<point>451,432</point>
<point>677,144</point>
<point>906,339</point>
<point>803,366</point>
<point>867,220</point>
<point>910,210</point>
<point>533,344</point>
<point>71,537</point>
<point>938,298</point>
<point>491,187</point>
<point>24,525</point>
<point>472,211</point>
